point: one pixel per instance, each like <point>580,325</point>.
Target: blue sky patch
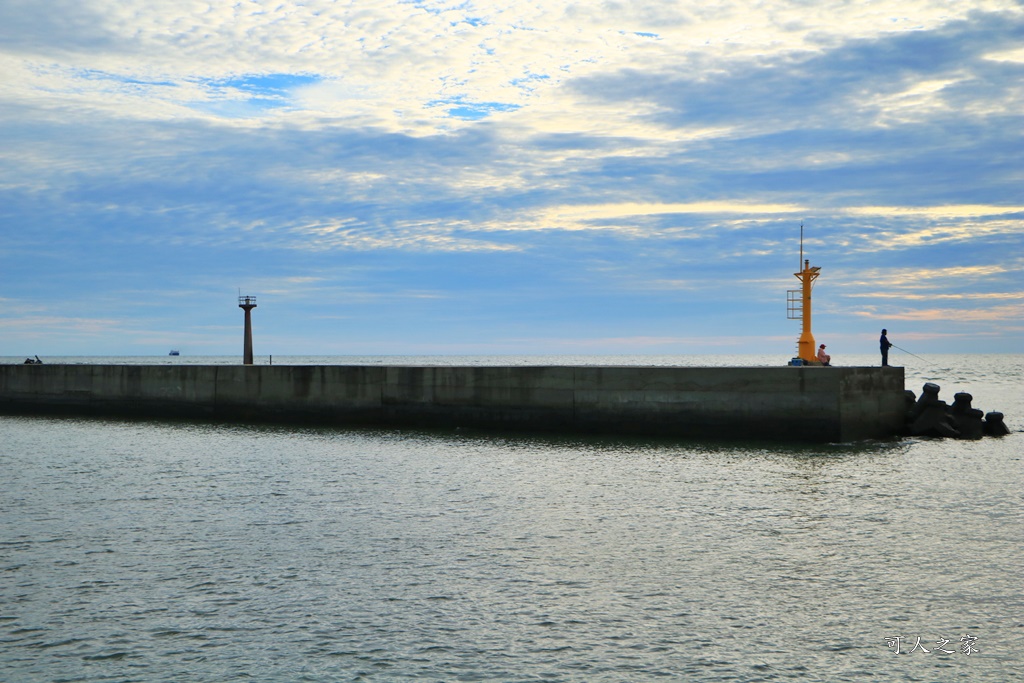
<point>473,111</point>
<point>268,85</point>
<point>265,92</point>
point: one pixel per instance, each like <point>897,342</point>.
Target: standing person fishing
<point>885,345</point>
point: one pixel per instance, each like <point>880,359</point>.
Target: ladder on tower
<point>794,304</point>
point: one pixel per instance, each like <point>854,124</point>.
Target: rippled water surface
<point>174,551</point>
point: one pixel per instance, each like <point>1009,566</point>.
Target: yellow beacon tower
<point>799,305</point>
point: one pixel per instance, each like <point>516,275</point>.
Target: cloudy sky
<point>526,176</point>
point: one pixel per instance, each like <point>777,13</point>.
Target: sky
<point>516,177</point>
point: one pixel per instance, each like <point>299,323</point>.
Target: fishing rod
<point>908,352</point>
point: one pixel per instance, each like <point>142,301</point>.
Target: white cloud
<point>937,212</point>
<point>926,277</point>
<point>417,235</point>
<point>625,215</point>
<point>1015,55</point>
<point>395,64</point>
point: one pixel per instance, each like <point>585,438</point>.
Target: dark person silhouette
<point>884,344</point>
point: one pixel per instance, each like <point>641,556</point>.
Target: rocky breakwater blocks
<point>994,425</point>
<point>967,420</point>
<point>930,416</point>
<point>910,402</point>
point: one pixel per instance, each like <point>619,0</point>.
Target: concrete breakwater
<point>811,404</point>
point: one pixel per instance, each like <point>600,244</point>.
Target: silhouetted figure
<point>885,345</point>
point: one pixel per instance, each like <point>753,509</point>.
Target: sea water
<point>189,551</point>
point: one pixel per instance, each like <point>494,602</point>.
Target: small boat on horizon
<point>174,352</point>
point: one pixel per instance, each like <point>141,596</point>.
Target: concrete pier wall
<point>791,403</point>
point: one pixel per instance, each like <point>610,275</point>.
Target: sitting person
<point>822,356</point>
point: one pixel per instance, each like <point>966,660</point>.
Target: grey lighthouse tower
<point>247,303</point>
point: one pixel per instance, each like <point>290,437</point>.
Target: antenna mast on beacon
<point>247,303</point>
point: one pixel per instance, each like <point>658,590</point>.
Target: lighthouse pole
<point>799,306</point>
<point>247,303</point>
<point>805,345</point>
